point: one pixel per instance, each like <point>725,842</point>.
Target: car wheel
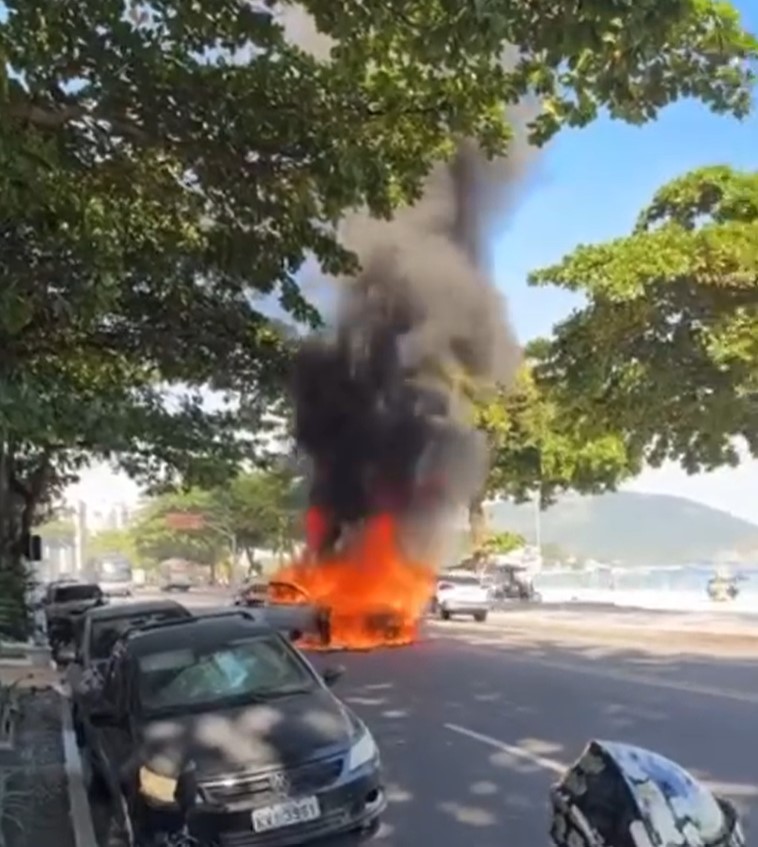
<point>445,614</point>
<point>480,617</point>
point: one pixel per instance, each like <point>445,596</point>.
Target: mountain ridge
<point>632,528</point>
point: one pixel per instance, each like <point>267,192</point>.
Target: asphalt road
<point>473,733</point>
<point>473,736</point>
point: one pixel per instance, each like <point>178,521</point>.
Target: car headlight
<point>364,750</point>
<point>161,789</point>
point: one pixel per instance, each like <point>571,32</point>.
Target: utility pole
<point>80,535</point>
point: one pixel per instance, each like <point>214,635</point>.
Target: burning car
<point>366,595</point>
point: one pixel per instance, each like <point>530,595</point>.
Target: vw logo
<point>279,783</point>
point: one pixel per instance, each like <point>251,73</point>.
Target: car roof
<point>201,632</point>
<point>129,610</point>
<point>73,583</point>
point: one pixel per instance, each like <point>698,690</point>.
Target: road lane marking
<point>552,765</point>
<point>735,790</point>
<point>622,676</point>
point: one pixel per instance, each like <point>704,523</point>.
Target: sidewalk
<point>34,797</point>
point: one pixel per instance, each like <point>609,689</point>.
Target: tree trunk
<point>477,520</point>
<point>14,612</point>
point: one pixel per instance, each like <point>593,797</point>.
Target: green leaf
<point>666,351</point>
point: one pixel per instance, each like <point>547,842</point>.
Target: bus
<point>113,573</point>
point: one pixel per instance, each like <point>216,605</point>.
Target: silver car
<point>461,593</point>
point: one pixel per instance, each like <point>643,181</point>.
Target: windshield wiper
<point>284,692</point>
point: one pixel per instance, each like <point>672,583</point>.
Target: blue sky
<point>589,186</point>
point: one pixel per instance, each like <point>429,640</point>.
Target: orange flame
<point>374,594</point>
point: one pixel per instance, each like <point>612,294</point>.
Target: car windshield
<point>106,633</point>
<point>76,593</point>
<point>260,668</point>
<point>460,579</point>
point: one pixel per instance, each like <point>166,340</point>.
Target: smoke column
<point>380,400</point>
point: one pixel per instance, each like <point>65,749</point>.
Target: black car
<point>97,633</point>
<point>101,628</point>
<point>64,605</point>
<point>220,727</point>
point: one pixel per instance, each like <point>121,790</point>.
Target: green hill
<point>633,528</point>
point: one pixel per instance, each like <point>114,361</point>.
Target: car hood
<point>281,732</point>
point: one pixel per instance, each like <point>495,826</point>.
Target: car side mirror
<point>332,675</point>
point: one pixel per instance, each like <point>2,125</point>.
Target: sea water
<point>675,588</point>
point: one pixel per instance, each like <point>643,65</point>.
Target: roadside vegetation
<point>165,174</point>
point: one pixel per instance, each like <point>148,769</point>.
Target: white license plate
<point>286,814</point>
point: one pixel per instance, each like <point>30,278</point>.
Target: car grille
<point>257,789</point>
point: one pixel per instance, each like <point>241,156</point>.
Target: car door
<point>108,725</point>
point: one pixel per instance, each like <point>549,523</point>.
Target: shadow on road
<point>525,726</point>
<point>473,735</point>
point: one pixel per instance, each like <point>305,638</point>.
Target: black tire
<point>445,614</point>
<point>480,617</point>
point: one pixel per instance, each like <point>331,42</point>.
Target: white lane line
<point>735,790</point>
<point>81,812</point>
<point>543,762</point>
<point>622,676</point>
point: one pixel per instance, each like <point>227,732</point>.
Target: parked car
<point>219,725</point>
<point>286,607</point>
<point>64,604</point>
<point>461,593</point>
<point>99,631</point>
<point>251,594</point>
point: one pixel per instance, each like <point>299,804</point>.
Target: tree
<point>157,539</point>
<point>504,542</point>
<point>666,351</point>
<point>538,450</point>
<point>165,166</point>
<point>258,509</point>
<point>263,510</point>
<point>59,531</point>
<point>113,541</point>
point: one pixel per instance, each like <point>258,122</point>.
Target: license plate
<point>286,814</point>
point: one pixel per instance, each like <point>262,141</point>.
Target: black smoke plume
<point>380,400</point>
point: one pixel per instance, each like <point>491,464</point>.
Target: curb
<point>80,810</point>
